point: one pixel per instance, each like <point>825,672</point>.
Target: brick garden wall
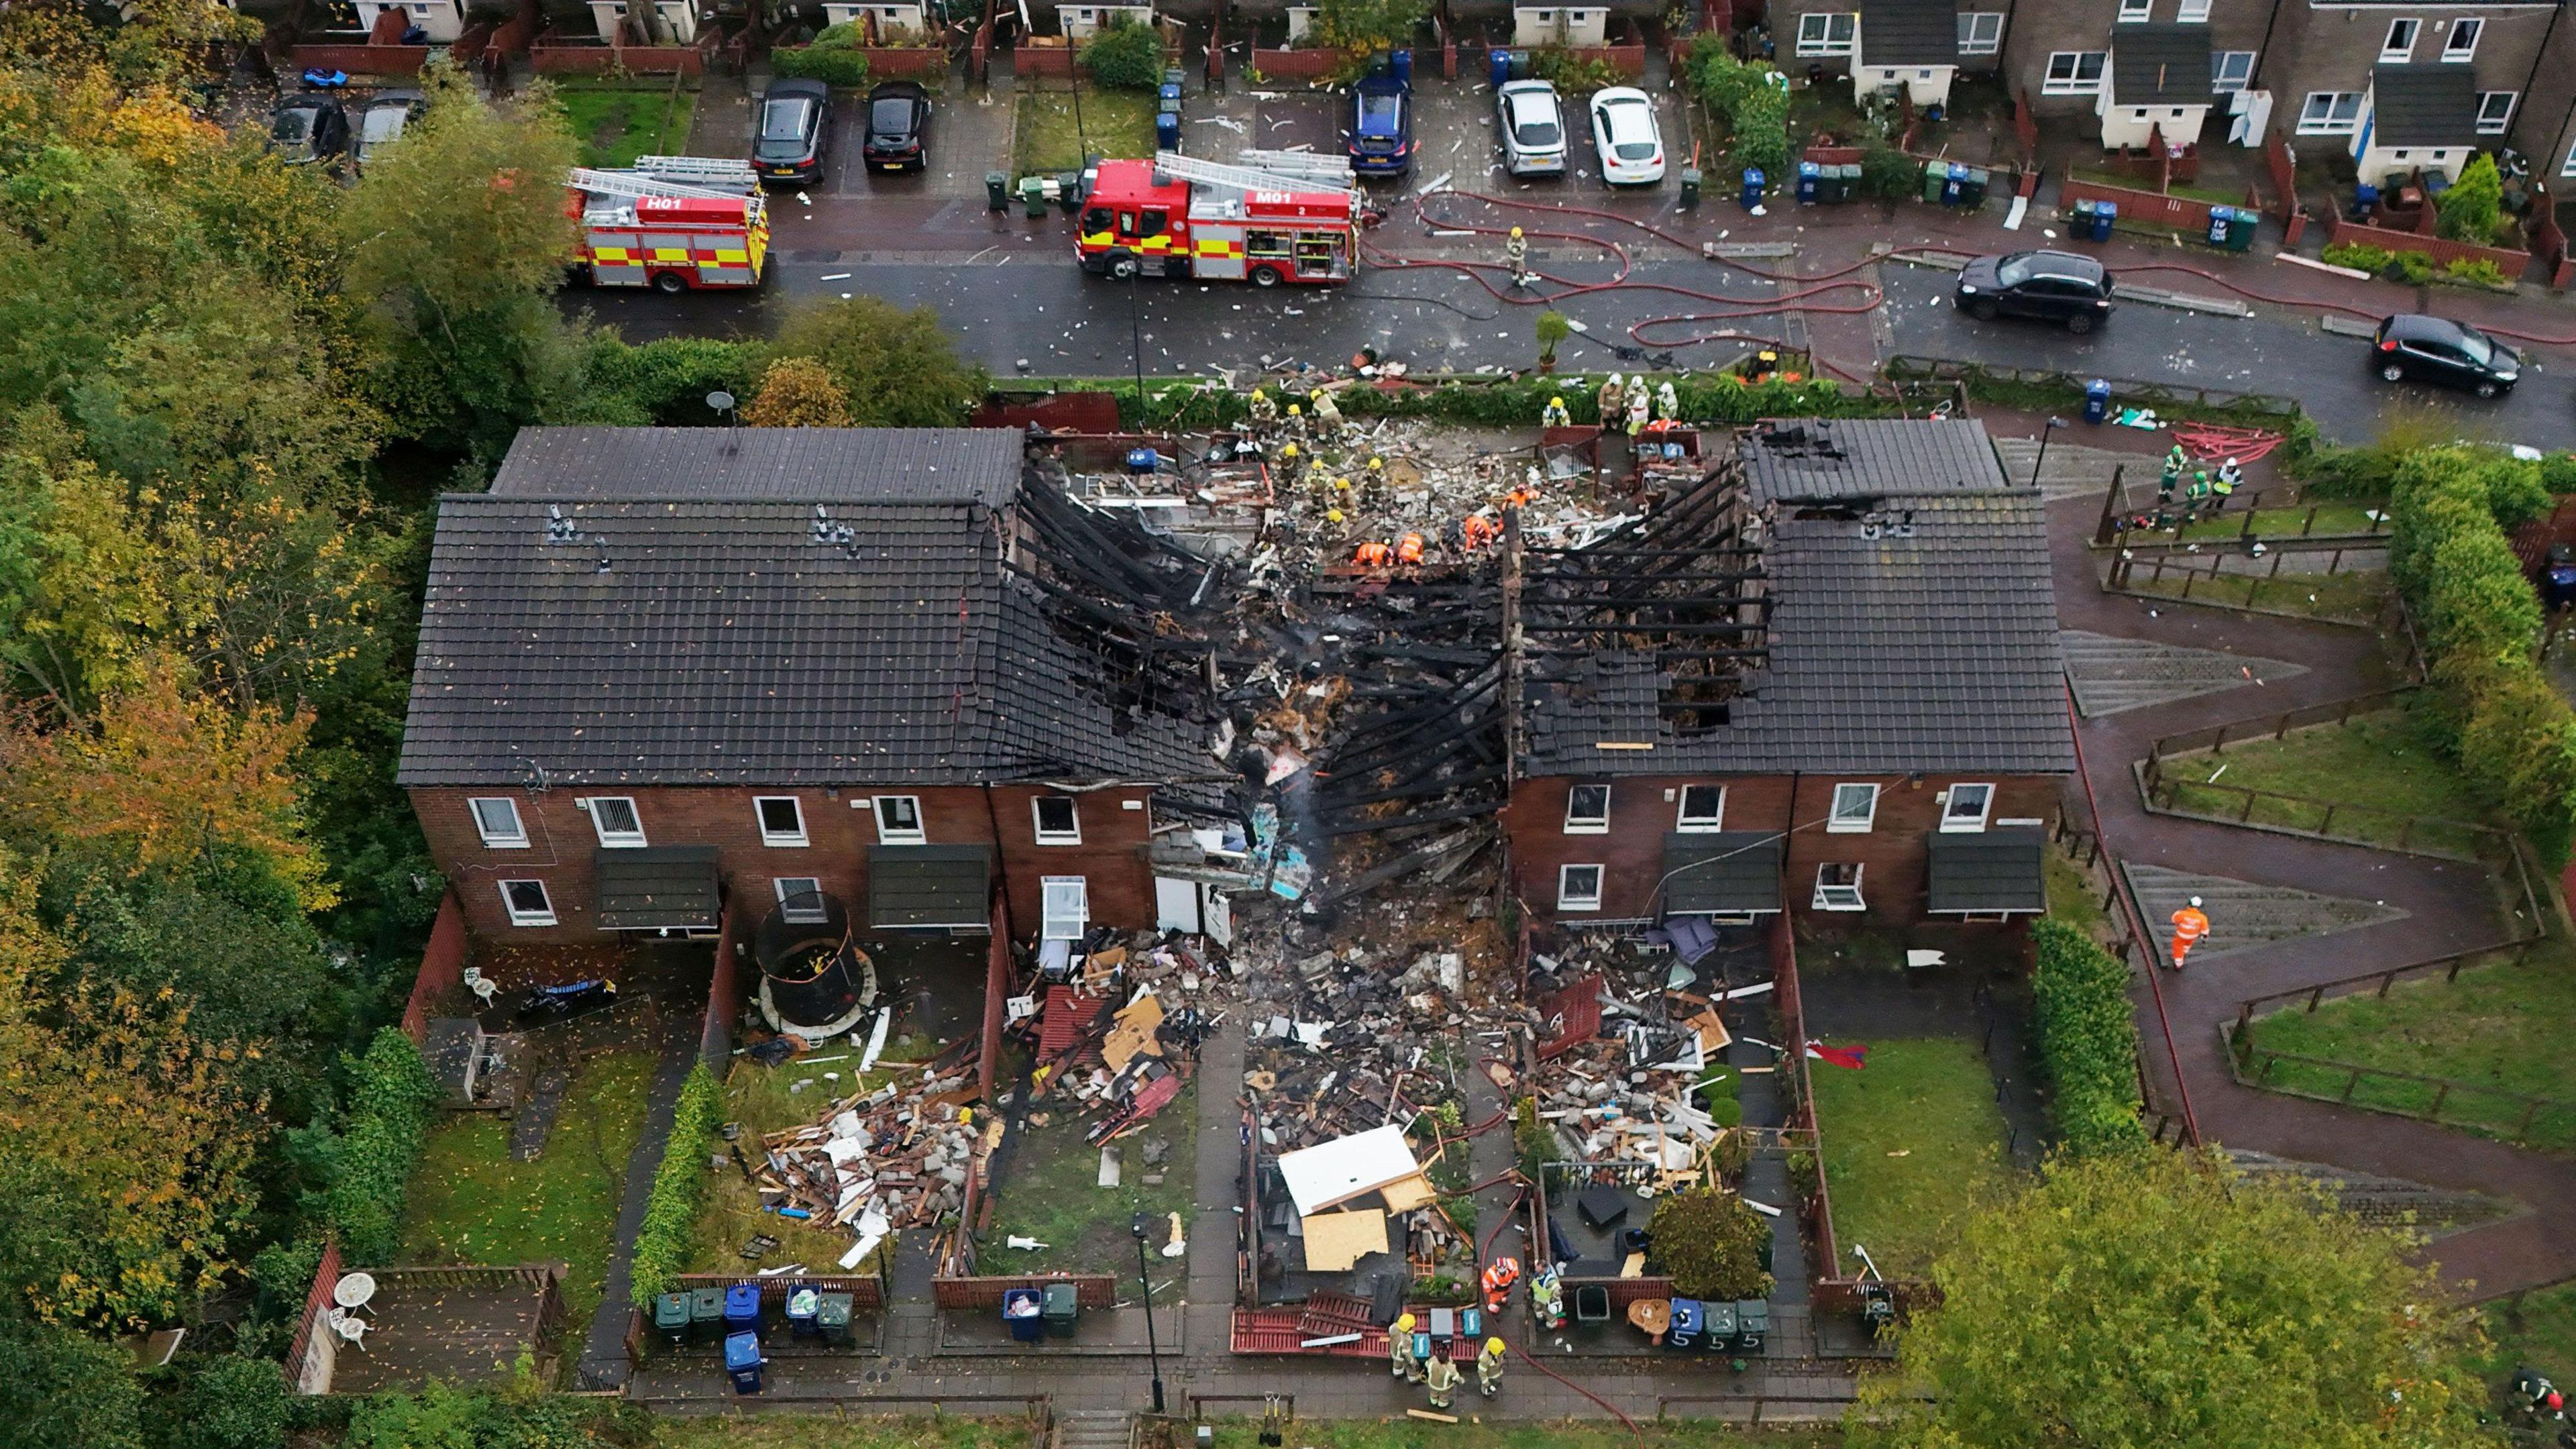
<point>1092,1290</point>
<point>442,965</point>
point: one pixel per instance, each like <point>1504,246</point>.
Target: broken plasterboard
<point>1332,1173</point>
<point>1335,1242</point>
<point>1134,1033</point>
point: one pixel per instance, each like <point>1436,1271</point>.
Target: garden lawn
<point>1114,124</point>
<point>2323,519</point>
<point>2355,595</point>
<point>2500,1027</point>
<point>1049,1190</point>
<point>470,1203</point>
<point>763,1100</point>
<point>1913,1142</point>
<point>616,124</point>
<point>2378,769</point>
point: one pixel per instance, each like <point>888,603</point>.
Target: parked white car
<point>1531,121</point>
<point>1624,132</point>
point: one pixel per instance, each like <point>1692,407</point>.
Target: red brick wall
<point>2153,208</point>
<point>1892,853</point>
<point>442,966</point>
<point>561,843</point>
<point>363,59</point>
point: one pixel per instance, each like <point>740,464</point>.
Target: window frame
<point>1969,23</point>
<point>1586,824</point>
<point>2331,125</point>
<point>919,834</point>
<point>2220,82</point>
<point>1686,823</point>
<point>780,838</point>
<point>1952,824</point>
<point>1820,901</point>
<point>518,822</point>
<point>542,917</point>
<point>1837,822</point>
<point>1037,820</point>
<point>2137,12</point>
<point>622,839</point>
<point>1826,44</point>
<point>1569,900</point>
<point>2453,53</point>
<point>2390,51</point>
<point>1052,895</point>
<point>2567,163</point>
<point>2502,123</point>
<point>2076,83</point>
<point>2192,12</point>
<point>778,888</point>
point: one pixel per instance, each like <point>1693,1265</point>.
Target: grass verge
<point>2354,596</point>
<point>2295,520</point>
<point>2377,770</point>
<point>2497,1028</point>
<point>1050,1190</point>
<point>471,1203</point>
<point>1913,1143</point>
<point>616,124</point>
<point>1047,136</point>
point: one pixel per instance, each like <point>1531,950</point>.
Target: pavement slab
<point>2110,674</point>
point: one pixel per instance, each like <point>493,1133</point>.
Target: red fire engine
<point>673,223</point>
<point>1286,217</point>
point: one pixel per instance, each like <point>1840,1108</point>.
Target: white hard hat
<point>2231,462</point>
<point>2195,900</point>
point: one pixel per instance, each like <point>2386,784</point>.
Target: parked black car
<point>795,134</point>
<point>2437,349</point>
<point>2052,286</point>
<point>898,115</point>
<point>382,120</point>
<point>309,129</point>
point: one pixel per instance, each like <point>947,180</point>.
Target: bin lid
<point>1062,1295</point>
<point>742,1350</point>
<point>1721,1317</point>
<point>835,1310</point>
<point>706,1303</point>
<point>671,1308</point>
<point>742,1298</point>
<point>1686,1315</point>
<point>1753,1312</point>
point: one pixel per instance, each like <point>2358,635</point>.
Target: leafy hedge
<point>1502,402</point>
<point>2511,733</point>
<point>1125,56</point>
<point>1752,99</point>
<point>2088,1041</point>
<point>671,1212</point>
<point>391,1099</point>
<point>667,380</point>
<point>834,58</point>
<point>1712,1245</point>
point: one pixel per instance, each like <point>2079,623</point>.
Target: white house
<point>1080,22</point>
<point>1537,25</point>
<point>2159,85</point>
<point>2416,116</point>
<point>1909,43</point>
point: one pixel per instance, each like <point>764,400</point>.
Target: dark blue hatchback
<point>1381,125</point>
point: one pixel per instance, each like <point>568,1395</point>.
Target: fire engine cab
<point>673,223</point>
<point>1283,217</point>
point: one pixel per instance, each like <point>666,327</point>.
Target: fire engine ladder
<point>630,185</point>
<point>1335,171</point>
<point>1242,178</point>
<point>722,173</point>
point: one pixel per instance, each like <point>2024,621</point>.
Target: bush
<point>2558,472</point>
<point>1125,56</point>
<point>1712,1245</point>
<point>834,58</point>
<point>372,1156</point>
<point>2414,268</point>
<point>2475,272</point>
<point>671,1212</point>
<point>2088,1040</point>
<point>234,1403</point>
<point>899,368</point>
<point>1887,173</point>
<point>1752,99</point>
<point>2360,256</point>
<point>1362,27</point>
<point>798,392</point>
<point>1532,1139</point>
<point>1572,73</point>
<point>2474,206</point>
<point>664,381</point>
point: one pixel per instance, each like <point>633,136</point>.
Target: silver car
<point>1531,121</point>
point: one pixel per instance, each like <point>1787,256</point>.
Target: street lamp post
<point>1140,1226</point>
<point>2044,434</point>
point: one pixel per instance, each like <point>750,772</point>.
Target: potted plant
<point>1552,329</point>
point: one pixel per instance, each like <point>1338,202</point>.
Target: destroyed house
<point>1828,682</point>
<point>664,668</point>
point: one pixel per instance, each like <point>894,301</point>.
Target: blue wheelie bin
<point>1808,175</point>
<point>1688,1324</point>
<point>1024,1313</point>
<point>1167,131</point>
<point>1752,194</point>
<point>2097,401</point>
<point>804,1302</point>
<point>1498,67</point>
<point>742,1309</point>
<point>1954,185</point>
<point>2104,213</point>
<point>743,1361</point>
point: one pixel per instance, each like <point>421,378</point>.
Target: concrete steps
<point>2111,674</point>
<point>2385,1201</point>
<point>2072,469</point>
<point>2242,913</point>
<point>1093,1429</point>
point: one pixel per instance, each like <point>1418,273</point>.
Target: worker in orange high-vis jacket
<point>1373,554</point>
<point>2189,926</point>
<point>1408,549</point>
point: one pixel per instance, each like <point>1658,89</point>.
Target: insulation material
<point>1335,1242</point>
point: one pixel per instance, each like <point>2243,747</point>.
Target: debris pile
<point>1116,1025</point>
<point>899,1156</point>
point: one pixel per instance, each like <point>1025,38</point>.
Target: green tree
<point>1364,26</point>
<point>1712,1245</point>
<point>2159,1298</point>
<point>2474,206</point>
<point>897,367</point>
<point>1125,56</point>
<point>798,392</point>
<point>234,1402</point>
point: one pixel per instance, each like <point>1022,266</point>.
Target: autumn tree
<point>898,368</point>
<point>798,392</point>
<point>2163,1298</point>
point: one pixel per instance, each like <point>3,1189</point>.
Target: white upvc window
<point>2134,11</point>
<point>800,899</point>
<point>1966,807</point>
<point>496,819</point>
<point>899,820</point>
<point>1981,32</point>
<point>1057,820</point>
<point>2193,12</point>
<point>2462,45</point>
<point>1064,906</point>
<point>614,817</point>
<point>1703,808</point>
<point>1838,887</point>
<point>2398,46</point>
<point>1578,888</point>
<point>1587,810</point>
<point>2074,72</point>
<point>782,819</point>
<point>2567,163</point>
<point>1827,33</point>
<point>2330,113</point>
<point>2230,70</point>
<point>1855,808</point>
<point>2495,111</point>
<point>527,903</point>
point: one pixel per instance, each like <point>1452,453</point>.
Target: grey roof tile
<point>1996,869</point>
<point>813,465</point>
<point>2423,105</point>
<point>656,887</point>
<point>1741,873</point>
<point>1829,460</point>
<point>2160,65</point>
<point>1908,32</point>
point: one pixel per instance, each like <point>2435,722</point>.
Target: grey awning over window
<point>1725,872</point>
<point>1989,871</point>
<point>929,886</point>
<point>657,888</point>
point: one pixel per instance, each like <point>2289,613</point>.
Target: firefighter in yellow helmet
<point>1489,1368</point>
<point>1443,1378</point>
<point>1264,412</point>
<point>1399,1350</point>
<point>1516,257</point>
<point>1556,414</point>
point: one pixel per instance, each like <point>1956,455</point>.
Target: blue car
<point>1382,126</point>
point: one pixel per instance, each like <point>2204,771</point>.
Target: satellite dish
<point>720,401</point>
